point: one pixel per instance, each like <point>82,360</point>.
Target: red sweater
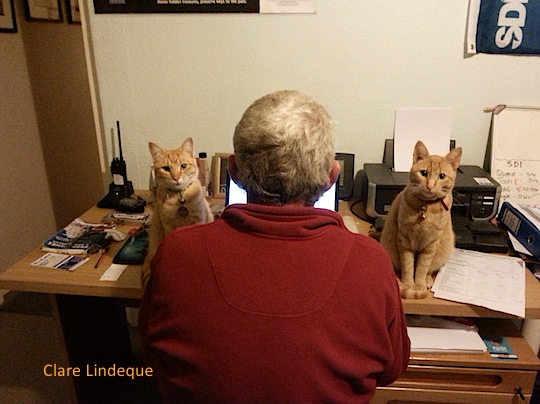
<point>272,305</point>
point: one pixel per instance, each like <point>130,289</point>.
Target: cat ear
<point>420,151</point>
<point>454,157</point>
<point>187,146</point>
<point>155,150</point>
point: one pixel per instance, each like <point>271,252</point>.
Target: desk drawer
<point>395,395</point>
<point>466,379</point>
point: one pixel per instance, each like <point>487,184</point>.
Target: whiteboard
<point>515,154</point>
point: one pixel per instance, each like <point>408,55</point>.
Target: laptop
<point>234,194</point>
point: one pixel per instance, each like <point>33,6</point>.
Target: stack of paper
<point>441,340</point>
<point>438,335</point>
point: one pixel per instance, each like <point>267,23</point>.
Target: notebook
<point>234,194</point>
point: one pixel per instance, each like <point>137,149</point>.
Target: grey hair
<point>284,146</point>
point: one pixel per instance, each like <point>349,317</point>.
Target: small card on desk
<point>113,273</point>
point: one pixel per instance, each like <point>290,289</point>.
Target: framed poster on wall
<point>7,16</point>
<point>176,6</point>
<point>43,10</point>
<point>73,11</point>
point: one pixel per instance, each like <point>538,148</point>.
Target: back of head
<point>284,147</point>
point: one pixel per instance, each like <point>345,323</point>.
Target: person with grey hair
<point>284,149</point>
<point>275,301</point>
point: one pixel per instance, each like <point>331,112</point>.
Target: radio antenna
<point>119,141</point>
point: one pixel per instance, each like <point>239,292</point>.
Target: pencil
<point>101,257</point>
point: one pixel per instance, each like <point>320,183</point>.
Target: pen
<point>101,257</point>
<point>135,231</point>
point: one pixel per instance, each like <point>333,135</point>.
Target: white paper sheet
<point>287,6</point>
<point>445,340</point>
<point>430,125</point>
<point>350,224</point>
<point>517,246</point>
<point>530,212</point>
<point>493,281</point>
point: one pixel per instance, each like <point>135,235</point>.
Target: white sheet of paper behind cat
<point>286,7</point>
<point>430,125</point>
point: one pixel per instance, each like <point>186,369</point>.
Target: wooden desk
<point>90,306</point>
<point>84,281</point>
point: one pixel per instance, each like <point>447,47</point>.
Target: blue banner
<point>504,27</point>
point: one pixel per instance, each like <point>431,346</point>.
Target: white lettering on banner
<point>510,31</point>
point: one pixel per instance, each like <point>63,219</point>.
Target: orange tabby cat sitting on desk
<point>179,197</point>
<point>417,232</point>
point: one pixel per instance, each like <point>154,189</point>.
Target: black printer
<point>476,193</point>
<point>476,197</point>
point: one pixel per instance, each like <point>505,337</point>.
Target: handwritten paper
<point>515,162</point>
<point>492,281</point>
<point>430,125</point>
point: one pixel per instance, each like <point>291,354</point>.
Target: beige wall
<point>26,211</point>
<point>59,80</point>
<point>167,76</point>
<point>48,154</point>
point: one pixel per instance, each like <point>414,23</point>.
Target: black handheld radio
<point>120,187</point>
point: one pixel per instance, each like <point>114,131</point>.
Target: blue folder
<point>523,229</point>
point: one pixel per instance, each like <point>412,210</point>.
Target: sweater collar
<point>284,221</point>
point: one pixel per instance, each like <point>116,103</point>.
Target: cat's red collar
<point>441,200</point>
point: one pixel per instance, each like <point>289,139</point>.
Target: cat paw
<point>420,288</point>
<point>405,286</point>
<point>414,292</point>
<point>420,291</point>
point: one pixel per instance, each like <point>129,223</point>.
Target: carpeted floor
<point>29,341</point>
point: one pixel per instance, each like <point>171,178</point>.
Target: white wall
<point>167,76</point>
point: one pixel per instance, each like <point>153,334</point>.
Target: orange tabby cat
<point>418,232</point>
<point>179,197</point>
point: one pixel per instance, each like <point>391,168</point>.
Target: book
<point>499,348</point>
<point>78,237</point>
<point>523,222</point>
<point>121,218</point>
